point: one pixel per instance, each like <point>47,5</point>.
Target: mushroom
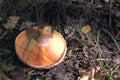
<point>40,47</point>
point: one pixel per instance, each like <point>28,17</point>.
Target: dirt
<point>68,17</point>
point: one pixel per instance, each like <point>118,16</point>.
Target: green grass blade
<point>118,47</point>
<point>100,62</point>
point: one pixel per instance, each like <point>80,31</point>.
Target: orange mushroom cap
<point>30,50</point>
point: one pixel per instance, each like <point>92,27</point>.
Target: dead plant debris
<point>91,54</point>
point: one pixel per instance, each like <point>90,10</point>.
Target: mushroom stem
<point>44,40</point>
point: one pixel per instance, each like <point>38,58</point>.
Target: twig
<point>3,35</point>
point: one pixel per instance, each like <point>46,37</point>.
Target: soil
<point>95,48</point>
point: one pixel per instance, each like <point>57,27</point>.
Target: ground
<point>87,50</point>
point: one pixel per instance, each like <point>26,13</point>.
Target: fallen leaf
<point>84,77</point>
<point>92,73</point>
<point>106,0</point>
<point>98,75</point>
<point>1,1</point>
<point>27,24</point>
<point>85,29</point>
<point>69,31</point>
<point>11,22</point>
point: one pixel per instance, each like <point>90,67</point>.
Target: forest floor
<point>93,53</point>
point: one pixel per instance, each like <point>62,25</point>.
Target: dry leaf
<point>86,29</point>
<point>4,77</point>
<point>91,73</point>
<point>69,31</point>
<point>11,22</point>
<point>27,24</point>
<point>1,1</point>
<point>106,0</point>
<point>98,75</point>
